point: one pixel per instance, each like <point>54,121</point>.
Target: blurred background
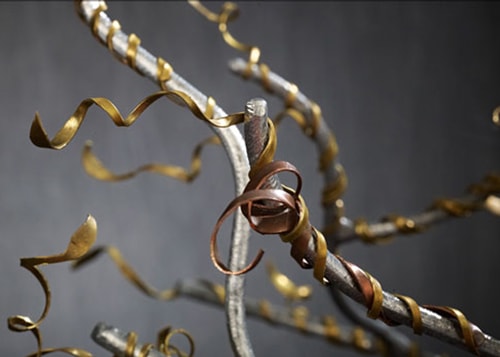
<point>408,89</point>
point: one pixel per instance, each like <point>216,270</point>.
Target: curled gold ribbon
<point>467,329</point>
<point>39,136</point>
<point>96,169</point>
<point>416,316</point>
<point>163,344</point>
<point>228,13</point>
<point>166,335</point>
<point>80,242</point>
<point>127,272</point>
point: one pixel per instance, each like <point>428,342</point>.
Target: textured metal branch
<point>434,324</point>
<point>423,219</point>
<point>399,344</point>
<point>346,231</point>
<point>278,315</point>
<point>115,341</point>
<point>397,341</point>
<point>282,88</point>
<point>146,64</point>
<point>394,309</point>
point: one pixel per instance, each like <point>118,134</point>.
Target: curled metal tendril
<point>96,169</point>
<point>80,242</point>
<point>228,13</point>
<point>163,344</point>
<point>289,219</point>
<point>127,271</point>
<point>39,136</point>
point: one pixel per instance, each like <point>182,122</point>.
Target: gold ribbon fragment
<point>80,242</point>
<point>164,337</point>
<point>127,272</point>
<point>496,116</point>
<point>300,315</point>
<point>332,330</point>
<point>414,310</point>
<point>96,169</point>
<point>285,286</point>
<point>369,288</point>
<point>39,136</point>
<point>467,329</point>
<point>163,343</point>
<point>228,13</point>
<point>267,154</point>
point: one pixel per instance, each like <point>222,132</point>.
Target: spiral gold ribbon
<point>127,271</point>
<point>228,13</point>
<point>96,169</point>
<point>163,344</point>
<point>39,136</point>
<point>80,242</point>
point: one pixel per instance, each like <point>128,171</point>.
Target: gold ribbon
<point>127,272</point>
<point>285,286</point>
<point>39,136</point>
<point>228,13</point>
<point>80,242</point>
<point>96,169</point>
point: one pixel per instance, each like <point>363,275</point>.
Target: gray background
<point>408,89</point>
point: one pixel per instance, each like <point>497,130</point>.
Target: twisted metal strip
<point>96,169</point>
<point>80,242</point>
<point>61,139</point>
<point>127,271</point>
<point>162,73</point>
<point>229,12</point>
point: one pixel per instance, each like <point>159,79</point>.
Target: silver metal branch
<point>115,341</point>
<point>398,342</point>
<point>232,140</point>
<point>282,88</point>
<point>346,229</point>
<point>394,309</point>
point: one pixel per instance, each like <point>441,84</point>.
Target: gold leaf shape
<point>285,286</point>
